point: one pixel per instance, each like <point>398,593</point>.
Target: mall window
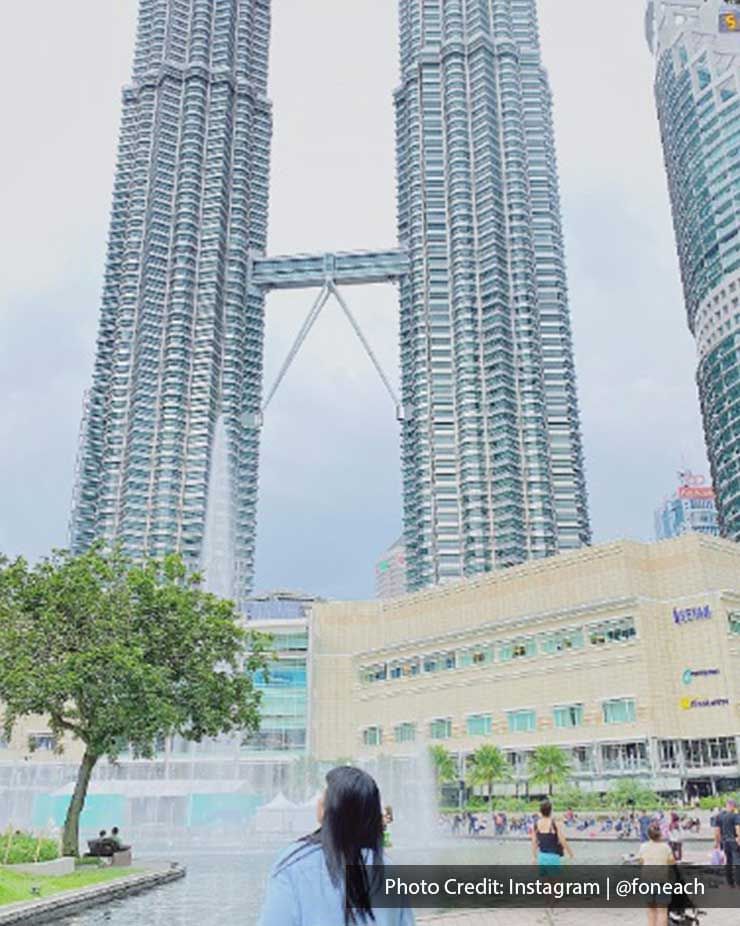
<point>619,710</point>
<point>411,667</point>
<point>377,673</point>
<point>372,736</point>
<point>624,757</point>
<point>733,618</point>
<point>42,742</point>
<point>561,641</point>
<point>404,732</point>
<point>436,662</point>
<point>669,752</point>
<point>707,753</point>
<point>582,758</point>
<point>568,715</point>
<point>475,656</point>
<point>479,724</point>
<point>616,631</point>
<point>522,721</point>
<point>518,649</point>
<point>441,728</point>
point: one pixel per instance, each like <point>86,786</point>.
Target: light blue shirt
<point>301,893</point>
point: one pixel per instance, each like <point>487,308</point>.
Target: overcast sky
<point>330,481</point>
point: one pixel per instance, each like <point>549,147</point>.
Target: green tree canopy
<point>629,792</point>
<point>487,765</point>
<point>549,765</point>
<point>119,653</point>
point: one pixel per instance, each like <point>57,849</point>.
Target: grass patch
<point>16,886</point>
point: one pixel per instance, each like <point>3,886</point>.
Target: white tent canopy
<point>278,816</point>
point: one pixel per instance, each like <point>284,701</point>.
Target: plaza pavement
<point>564,917</point>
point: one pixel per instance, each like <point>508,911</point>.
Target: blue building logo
<point>688,615</point>
<point>690,674</point>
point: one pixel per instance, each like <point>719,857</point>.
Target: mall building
<point>627,655</point>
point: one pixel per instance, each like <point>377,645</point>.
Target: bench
<point>120,856</point>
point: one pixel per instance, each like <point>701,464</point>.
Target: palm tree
<point>549,765</point>
<point>445,767</point>
<point>487,765</point>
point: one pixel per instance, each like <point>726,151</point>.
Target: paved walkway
<point>564,917</point>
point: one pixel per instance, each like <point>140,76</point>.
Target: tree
<point>549,765</point>
<point>629,792</point>
<point>444,766</point>
<point>487,765</point>
<point>119,653</point>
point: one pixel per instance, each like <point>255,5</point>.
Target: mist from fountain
<point>409,786</point>
<point>217,560</point>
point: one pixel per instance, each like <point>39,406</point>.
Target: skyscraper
<point>691,508</point>
<point>697,50</point>
<point>181,329</point>
<point>492,459</point>
<point>390,572</point>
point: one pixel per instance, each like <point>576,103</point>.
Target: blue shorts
<point>549,860</point>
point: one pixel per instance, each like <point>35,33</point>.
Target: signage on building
<point>687,615</point>
<point>690,674</point>
<point>688,704</point>
<point>729,22</point>
<point>694,493</point>
<point>692,486</point>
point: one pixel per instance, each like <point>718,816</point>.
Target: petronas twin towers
<point>492,461</point>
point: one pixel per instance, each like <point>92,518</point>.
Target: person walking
<point>727,838</point>
<point>657,855</point>
<point>675,837</point>
<point>549,843</point>
<point>644,821</point>
<point>307,884</point>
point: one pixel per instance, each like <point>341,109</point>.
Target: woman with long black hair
<point>307,884</point>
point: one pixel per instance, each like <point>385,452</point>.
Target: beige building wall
<point>579,591</point>
<point>32,741</point>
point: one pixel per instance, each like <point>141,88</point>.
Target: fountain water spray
<point>218,543</point>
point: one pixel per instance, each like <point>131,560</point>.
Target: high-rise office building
<point>390,572</point>
<point>492,460</point>
<point>691,508</point>
<point>697,81</point>
<point>181,329</point>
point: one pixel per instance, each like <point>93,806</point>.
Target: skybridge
<point>328,272</point>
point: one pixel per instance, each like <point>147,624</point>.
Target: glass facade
<point>181,327</point>
<point>492,461</point>
<point>696,90</point>
<point>284,689</point>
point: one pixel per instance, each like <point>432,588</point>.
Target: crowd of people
<point>628,825</point>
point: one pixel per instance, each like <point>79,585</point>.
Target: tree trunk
<point>71,835</point>
<point>549,787</point>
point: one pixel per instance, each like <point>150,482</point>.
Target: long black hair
<point>352,825</point>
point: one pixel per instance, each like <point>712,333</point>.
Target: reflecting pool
<point>227,888</point>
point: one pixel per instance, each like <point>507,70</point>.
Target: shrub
<point>717,800</point>
<point>25,848</point>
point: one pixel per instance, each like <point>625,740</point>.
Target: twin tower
<point>491,447</point>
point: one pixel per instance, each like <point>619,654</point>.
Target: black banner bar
<point>488,886</point>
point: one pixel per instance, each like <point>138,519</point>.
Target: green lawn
<point>15,886</point>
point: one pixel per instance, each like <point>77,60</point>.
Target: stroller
<point>681,911</point>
